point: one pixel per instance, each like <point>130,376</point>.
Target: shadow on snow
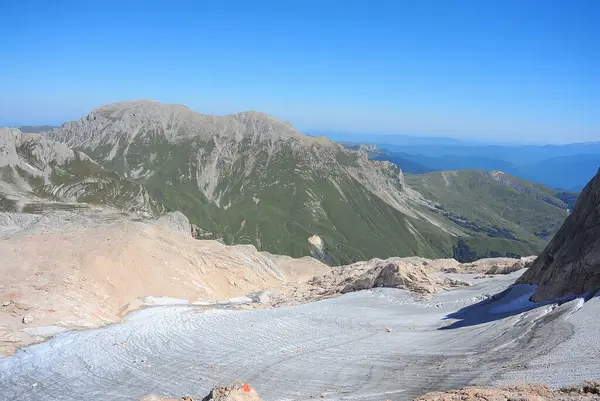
<point>512,301</point>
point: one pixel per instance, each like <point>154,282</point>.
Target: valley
<point>300,200</point>
<point>252,179</point>
<point>202,250</point>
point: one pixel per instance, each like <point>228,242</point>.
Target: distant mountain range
<point>567,167</point>
<point>252,179</point>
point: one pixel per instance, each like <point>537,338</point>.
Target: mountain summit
<point>251,178</point>
<point>174,123</point>
<point>255,179</point>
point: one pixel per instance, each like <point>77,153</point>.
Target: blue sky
<point>503,70</point>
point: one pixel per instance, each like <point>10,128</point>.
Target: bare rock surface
<point>39,174</point>
<point>392,273</point>
<point>236,392</point>
<point>89,268</point>
<point>410,274</point>
<point>587,391</point>
<point>81,273</point>
<point>21,225</point>
<point>492,265</point>
<point>45,151</point>
<point>570,264</point>
<point>531,392</point>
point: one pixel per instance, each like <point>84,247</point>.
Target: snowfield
<point>367,345</point>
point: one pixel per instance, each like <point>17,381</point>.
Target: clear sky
<point>498,69</point>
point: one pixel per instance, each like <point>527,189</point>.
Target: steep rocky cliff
<point>570,264</point>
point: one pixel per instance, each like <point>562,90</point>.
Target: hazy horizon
<point>525,71</point>
<point>477,139</point>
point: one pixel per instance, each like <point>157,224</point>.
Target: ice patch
<point>237,301</point>
<point>202,303</point>
<point>164,301</point>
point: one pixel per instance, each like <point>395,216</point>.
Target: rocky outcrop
<point>318,249</point>
<point>409,274</point>
<point>534,392</point>
<point>77,272</point>
<point>236,392</point>
<point>33,152</point>
<point>587,391</point>
<point>395,274</point>
<point>570,264</point>
<point>491,265</point>
<point>175,221</point>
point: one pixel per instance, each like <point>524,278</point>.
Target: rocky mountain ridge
<point>37,173</point>
<point>570,264</point>
<point>254,179</point>
<point>250,178</point>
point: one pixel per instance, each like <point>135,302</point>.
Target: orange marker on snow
<point>246,387</point>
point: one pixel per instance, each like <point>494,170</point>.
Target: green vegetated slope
<point>250,178</point>
<point>503,214</point>
<point>275,198</point>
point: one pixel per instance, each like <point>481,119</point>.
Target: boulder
<point>236,392</point>
<point>176,221</point>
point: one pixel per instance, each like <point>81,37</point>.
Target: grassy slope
<point>505,207</point>
<point>284,199</point>
<point>281,203</point>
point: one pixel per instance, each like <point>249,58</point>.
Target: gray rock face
<point>175,221</point>
<point>33,152</point>
<point>131,135</point>
<point>125,120</point>
<point>38,174</point>
<point>570,264</point>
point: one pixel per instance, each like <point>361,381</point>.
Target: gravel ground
<point>368,345</point>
